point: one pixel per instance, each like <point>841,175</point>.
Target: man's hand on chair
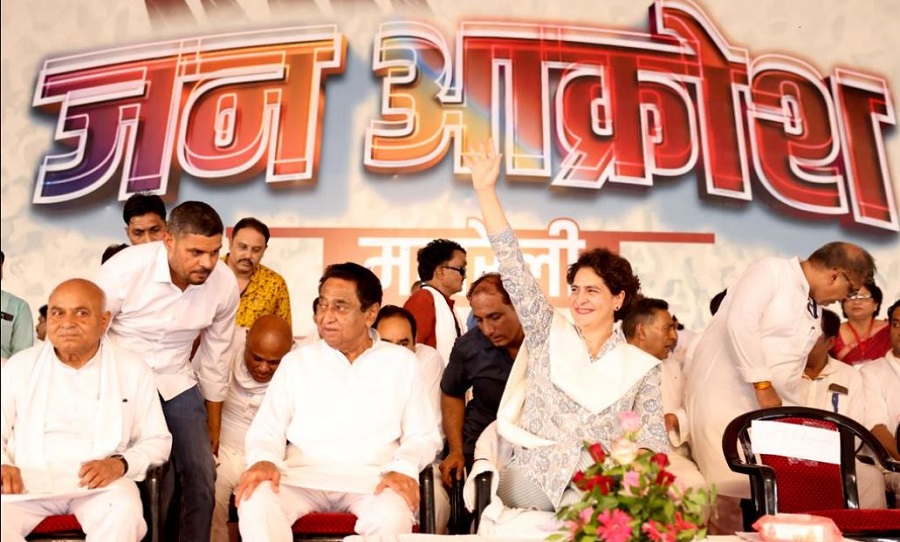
<point>452,467</point>
<point>255,475</point>
<point>406,487</point>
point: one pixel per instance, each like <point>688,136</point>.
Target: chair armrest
<point>482,494</point>
<point>426,500</point>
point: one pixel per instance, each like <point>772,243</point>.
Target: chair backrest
<point>806,485</point>
<point>783,484</point>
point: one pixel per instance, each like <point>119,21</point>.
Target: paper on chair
<point>793,440</point>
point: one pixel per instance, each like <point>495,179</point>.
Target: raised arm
<point>532,306</point>
<point>485,165</point>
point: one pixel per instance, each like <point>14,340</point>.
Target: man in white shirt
<point>397,325</point>
<point>829,384</point>
<point>257,355</point>
<point>81,422</point>
<point>442,273</point>
<point>650,326</point>
<point>346,424</point>
<point>881,380</point>
<point>753,353</point>
<point>162,295</point>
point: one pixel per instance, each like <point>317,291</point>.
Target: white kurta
<point>345,423</point>
<point>143,439</point>
<point>763,331</point>
<point>245,395</point>
<point>881,380</point>
<point>153,316</point>
<point>432,368</point>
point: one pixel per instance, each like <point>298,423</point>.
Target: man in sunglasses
<point>442,270</point>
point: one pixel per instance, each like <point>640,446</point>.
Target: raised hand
<point>484,161</point>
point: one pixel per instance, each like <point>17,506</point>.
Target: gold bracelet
<point>762,385</point>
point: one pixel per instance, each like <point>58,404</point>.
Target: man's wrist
<point>124,462</point>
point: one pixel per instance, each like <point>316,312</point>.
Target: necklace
<point>861,343</point>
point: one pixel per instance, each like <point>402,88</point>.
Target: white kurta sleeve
<point>266,438</point>
<point>215,351</point>
<point>751,296</point>
<point>420,440</point>
<point>8,409</point>
<point>876,405</point>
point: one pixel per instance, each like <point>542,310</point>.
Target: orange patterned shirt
<point>267,293</point>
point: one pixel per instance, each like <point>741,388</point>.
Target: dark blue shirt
<point>475,362</point>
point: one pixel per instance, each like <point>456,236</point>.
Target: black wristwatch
<point>124,461</point>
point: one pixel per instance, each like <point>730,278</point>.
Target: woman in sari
<point>863,337</point>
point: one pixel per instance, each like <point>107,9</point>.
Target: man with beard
<point>263,291</point>
<point>161,296</point>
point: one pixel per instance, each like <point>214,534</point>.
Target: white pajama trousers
<point>267,516</point>
<point>115,514</point>
<point>228,473</point>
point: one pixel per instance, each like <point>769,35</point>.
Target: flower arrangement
<point>629,496</point>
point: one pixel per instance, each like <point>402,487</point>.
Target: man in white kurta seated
<point>881,380</point>
<point>832,385</point>
<point>345,426</point>
<point>650,326</point>
<point>81,422</point>
<point>258,353</point>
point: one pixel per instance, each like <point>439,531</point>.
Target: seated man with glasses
<point>346,424</point>
<point>442,270</point>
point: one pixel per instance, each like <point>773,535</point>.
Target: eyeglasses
<point>858,297</point>
<point>854,290</point>
<point>460,270</point>
<point>339,307</point>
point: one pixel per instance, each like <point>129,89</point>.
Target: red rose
<point>578,479</point>
<point>665,478</point>
<point>660,459</point>
<point>598,454</point>
<point>604,483</point>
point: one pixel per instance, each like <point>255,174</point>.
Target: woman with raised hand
<point>572,382</point>
<point>863,337</point>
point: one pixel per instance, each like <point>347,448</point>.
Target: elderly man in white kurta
<point>346,424</point>
<point>831,385</point>
<point>753,353</point>
<point>81,422</point>
<point>258,353</point>
<point>881,381</point>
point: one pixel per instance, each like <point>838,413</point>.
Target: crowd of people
<point>174,352</point>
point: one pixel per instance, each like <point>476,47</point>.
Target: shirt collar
<point>161,272</point>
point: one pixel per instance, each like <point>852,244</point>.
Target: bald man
<point>252,368</point>
<point>79,417</point>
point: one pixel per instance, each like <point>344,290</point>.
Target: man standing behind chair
<point>161,296</point>
<point>79,412</point>
<point>345,425</point>
<point>263,291</point>
<point>257,355</point>
<point>145,218</point>
<point>753,353</point>
<point>442,270</point>
<point>15,328</point>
